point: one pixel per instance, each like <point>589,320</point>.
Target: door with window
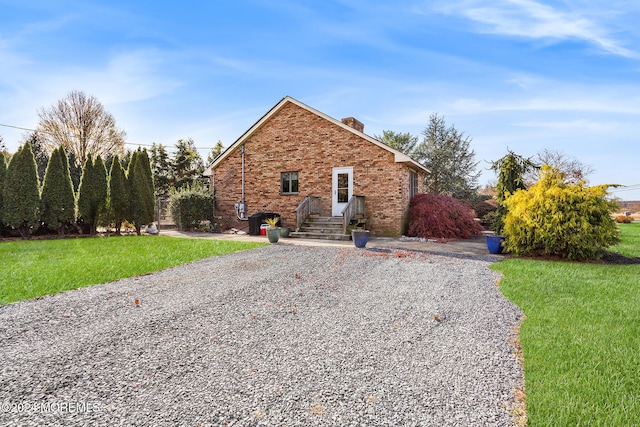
<point>342,189</point>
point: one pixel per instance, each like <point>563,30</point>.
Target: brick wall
<point>295,139</point>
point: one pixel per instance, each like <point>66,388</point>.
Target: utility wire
<point>626,188</point>
<point>126,143</point>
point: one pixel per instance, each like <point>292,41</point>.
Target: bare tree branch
<point>573,169</point>
<point>82,125</point>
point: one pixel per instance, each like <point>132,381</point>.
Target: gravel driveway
<point>282,335</point>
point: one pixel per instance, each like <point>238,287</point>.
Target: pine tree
<point>187,163</point>
<point>141,185</point>
<point>57,200</point>
<point>161,168</point>
<point>404,142</point>
<point>21,195</point>
<point>119,191</point>
<point>446,153</point>
<point>215,152</point>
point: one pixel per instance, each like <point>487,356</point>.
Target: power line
<point>16,127</point>
<point>125,143</point>
<point>627,188</point>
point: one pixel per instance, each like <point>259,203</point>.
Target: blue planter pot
<point>494,244</point>
<point>360,238</point>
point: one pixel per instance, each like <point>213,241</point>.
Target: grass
<point>41,267</point>
<point>580,337</point>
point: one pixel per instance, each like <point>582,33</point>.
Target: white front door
<point>342,189</point>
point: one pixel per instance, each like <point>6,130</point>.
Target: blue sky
<point>519,74</point>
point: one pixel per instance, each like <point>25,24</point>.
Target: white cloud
<point>534,20</point>
<point>126,77</point>
<point>580,125</point>
<point>133,76</point>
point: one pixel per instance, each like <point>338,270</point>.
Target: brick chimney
<point>354,123</point>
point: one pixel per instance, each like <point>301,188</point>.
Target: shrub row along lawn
<point>41,267</point>
<point>580,337</point>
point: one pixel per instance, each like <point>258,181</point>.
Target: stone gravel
<point>281,335</point>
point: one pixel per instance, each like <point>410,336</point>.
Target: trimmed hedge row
<point>190,206</point>
<point>25,205</point>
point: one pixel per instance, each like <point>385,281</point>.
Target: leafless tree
<point>82,125</point>
<point>573,169</point>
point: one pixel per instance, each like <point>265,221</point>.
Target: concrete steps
<point>319,227</point>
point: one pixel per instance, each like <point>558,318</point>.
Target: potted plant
<point>360,237</point>
<point>273,232</point>
<point>494,244</point>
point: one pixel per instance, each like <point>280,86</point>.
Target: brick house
<point>295,155</point>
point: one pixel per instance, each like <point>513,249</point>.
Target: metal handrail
<point>354,207</point>
<point>309,206</point>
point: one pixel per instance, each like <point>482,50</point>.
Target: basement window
<point>289,183</point>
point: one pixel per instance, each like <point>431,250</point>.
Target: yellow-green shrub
<point>559,219</point>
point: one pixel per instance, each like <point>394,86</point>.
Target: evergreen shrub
<point>141,192</point>
<point>57,198</point>
<point>486,212</point>
<point>482,208</point>
<point>441,217</point>
<point>3,174</point>
<point>92,195</point>
<point>190,206</point>
<point>555,218</point>
<point>119,202</point>
<point>21,195</point>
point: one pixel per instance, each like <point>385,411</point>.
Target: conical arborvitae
<point>21,196</point>
<point>92,194</point>
<point>119,191</point>
<point>148,175</point>
<point>3,174</point>
<point>85,195</point>
<point>101,191</point>
<point>141,185</point>
<point>58,200</point>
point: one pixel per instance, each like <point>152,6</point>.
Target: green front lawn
<point>580,337</point>
<point>41,267</point>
